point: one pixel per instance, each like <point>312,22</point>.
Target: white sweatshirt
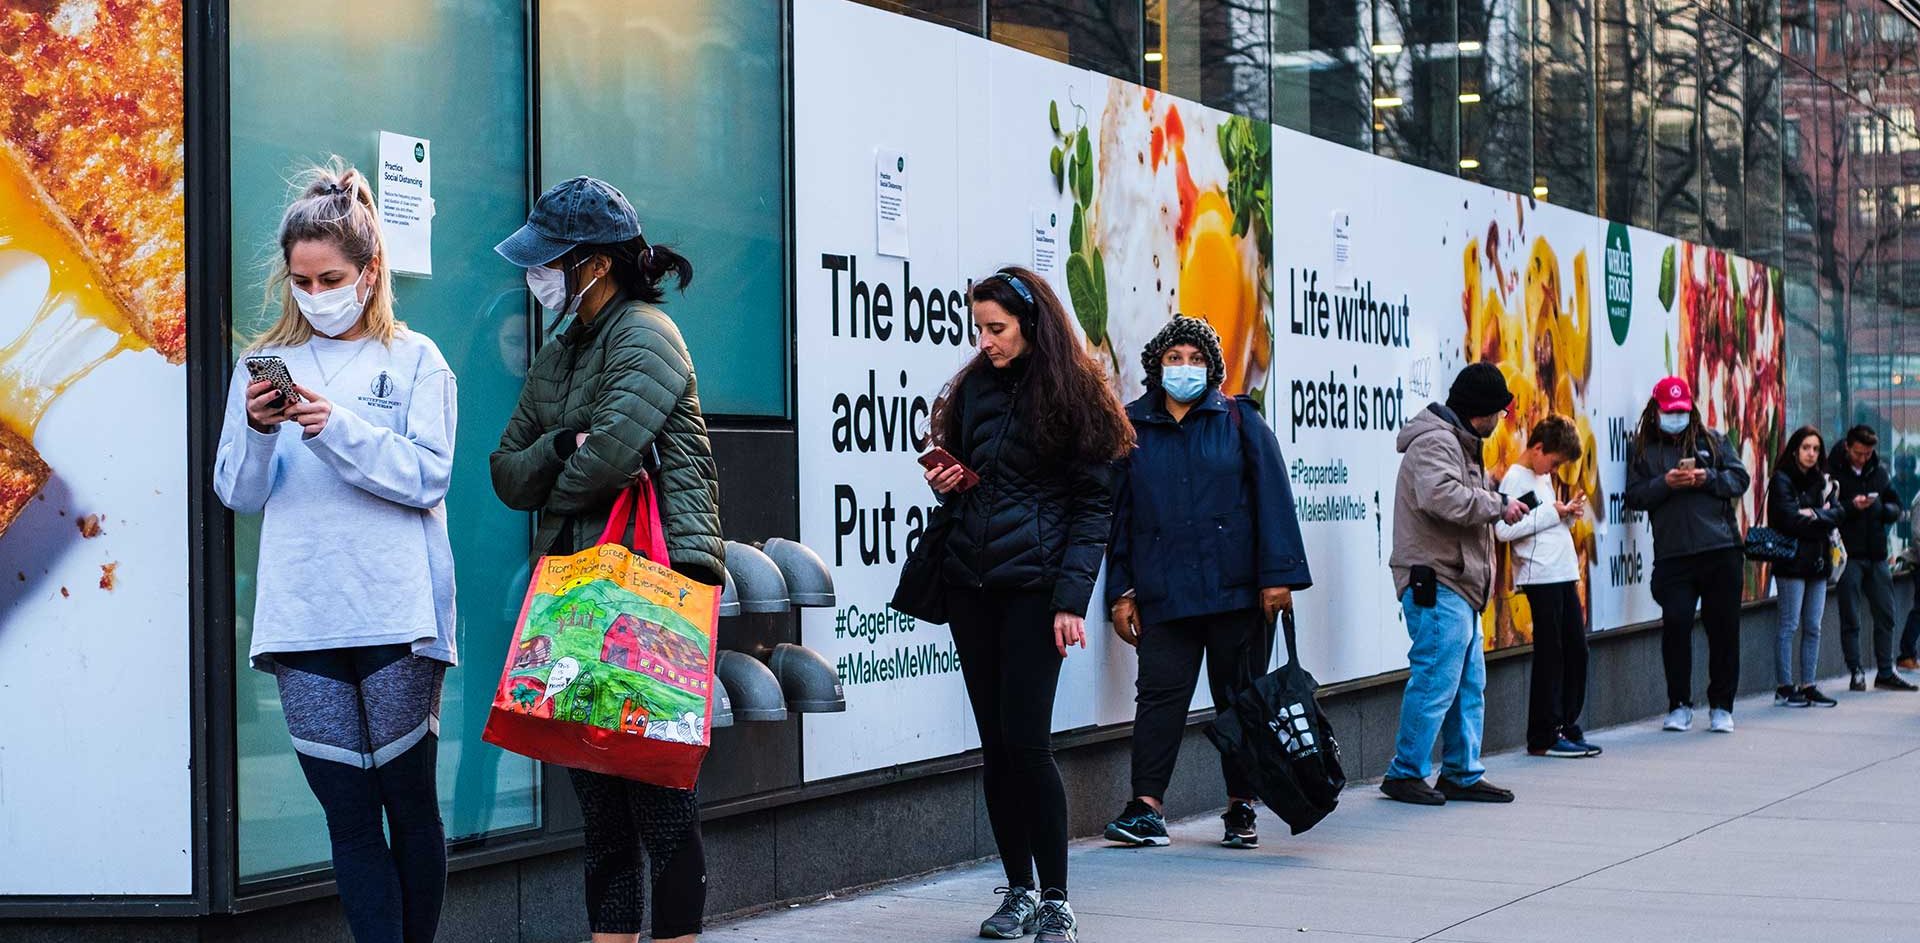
<point>353,542</point>
<point>1542,542</point>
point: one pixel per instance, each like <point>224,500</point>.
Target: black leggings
<point>623,816</point>
<point>1558,690</point>
<point>1170,655</point>
<point>1712,581</point>
<point>365,726</point>
<point>1011,668</point>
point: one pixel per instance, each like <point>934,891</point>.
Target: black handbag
<point>1766,545</point>
<point>922,591</point>
<point>1274,729</point>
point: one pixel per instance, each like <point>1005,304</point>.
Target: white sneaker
<point>1679,720</point>
<point>1722,721</point>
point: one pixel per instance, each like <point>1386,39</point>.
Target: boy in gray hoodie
<point>1444,508</point>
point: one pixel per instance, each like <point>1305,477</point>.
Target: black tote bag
<point>1274,729</point>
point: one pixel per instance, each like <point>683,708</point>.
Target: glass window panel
<point>968,15</point>
<point>1416,83</point>
<point>1798,32</point>
<point>1724,131</point>
<point>1676,118</point>
<point>1625,110</point>
<point>691,132</point>
<point>1760,19</point>
<point>472,106</point>
<point>1763,178</point>
<point>1496,92</point>
<point>1211,51</point>
<point>1322,69</point>
<point>1103,35</point>
<point>1563,103</point>
<point>1800,297</point>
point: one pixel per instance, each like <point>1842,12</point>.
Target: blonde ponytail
<point>335,205</point>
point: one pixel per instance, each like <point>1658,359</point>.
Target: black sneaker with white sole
<point>1241,821</point>
<point>1018,913</point>
<point>1056,922</point>
<point>1138,825</point>
<point>1814,698</point>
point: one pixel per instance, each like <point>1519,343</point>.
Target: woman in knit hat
<point>1206,553</point>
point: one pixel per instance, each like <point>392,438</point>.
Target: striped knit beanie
<point>1184,330</point>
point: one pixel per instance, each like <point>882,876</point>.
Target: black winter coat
<point>1786,498</point>
<point>1205,518</point>
<point>1864,532</point>
<point>1029,524</point>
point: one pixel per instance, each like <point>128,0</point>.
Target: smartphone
<point>1424,586</point>
<point>1531,500</point>
<point>274,371</point>
<point>939,459</point>
<point>1689,464</point>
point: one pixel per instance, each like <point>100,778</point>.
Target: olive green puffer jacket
<point>626,380</point>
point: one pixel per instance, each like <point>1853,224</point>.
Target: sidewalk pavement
<point>1800,826</point>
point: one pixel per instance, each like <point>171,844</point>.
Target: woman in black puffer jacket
<point>1033,417</point>
<point>1802,504</point>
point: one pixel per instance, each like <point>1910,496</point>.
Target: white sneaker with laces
<point>1679,719</point>
<point>1722,721</point>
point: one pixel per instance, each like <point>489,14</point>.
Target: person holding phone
<point>612,397</point>
<point>1206,554</point>
<point>1032,417</point>
<point>1547,570</point>
<point>353,612</point>
<point>1444,508</point>
<point>1687,478</point>
<point>1868,505</point>
<point>1803,504</point>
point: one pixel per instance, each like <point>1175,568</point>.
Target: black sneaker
<point>1056,923</point>
<point>1787,695</point>
<point>1858,681</point>
<point>1480,791</point>
<point>1414,791</point>
<point>1241,820</point>
<point>1814,698</point>
<point>1893,682</point>
<point>1018,913</point>
<point>1139,826</point>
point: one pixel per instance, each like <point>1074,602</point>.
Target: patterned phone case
<point>274,371</point>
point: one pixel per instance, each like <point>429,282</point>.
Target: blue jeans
<point>1801,605</point>
<point>1446,692</point>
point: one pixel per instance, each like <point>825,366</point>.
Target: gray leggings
<point>1802,603</point>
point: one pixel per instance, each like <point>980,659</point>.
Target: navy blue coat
<point>1205,517</point>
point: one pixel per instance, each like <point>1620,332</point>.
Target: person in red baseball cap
<point>1686,477</point>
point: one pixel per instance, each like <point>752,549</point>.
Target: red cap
<point>1674,395</point>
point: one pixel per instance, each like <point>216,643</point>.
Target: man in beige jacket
<point>1444,508</point>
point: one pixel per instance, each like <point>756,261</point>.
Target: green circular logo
<point>900,164</point>
<point>1053,219</point>
<point>419,152</point>
<point>1619,269</point>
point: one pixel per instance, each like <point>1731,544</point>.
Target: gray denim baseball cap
<point>579,211</point>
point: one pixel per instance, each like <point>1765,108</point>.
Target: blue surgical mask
<point>1184,383</point>
<point>1675,423</point>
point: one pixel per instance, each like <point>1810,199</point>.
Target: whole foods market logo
<point>419,152</point>
<point>1619,282</point>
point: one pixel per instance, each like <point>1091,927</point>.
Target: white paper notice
<point>890,202</point>
<point>1343,276</point>
<point>406,203</point>
<point>1046,243</point>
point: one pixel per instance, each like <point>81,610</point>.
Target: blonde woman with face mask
<point>343,442</point>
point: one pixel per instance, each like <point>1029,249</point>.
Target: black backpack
<point>1274,729</point>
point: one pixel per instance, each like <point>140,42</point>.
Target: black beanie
<point>1479,390</point>
<point>1184,330</point>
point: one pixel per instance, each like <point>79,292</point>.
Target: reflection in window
<point>1322,69</point>
<point>960,14</point>
<point>1496,84</point>
<point>1102,35</point>
<point>1416,84</point>
<point>1211,51</point>
<point>1724,130</point>
<point>1563,107</point>
<point>1676,118</point>
<point>1764,156</point>
<point>1625,111</point>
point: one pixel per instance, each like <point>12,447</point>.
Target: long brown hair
<point>1789,460</point>
<point>1068,410</point>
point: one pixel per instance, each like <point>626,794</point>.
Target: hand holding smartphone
<point>274,371</point>
<point>941,468</point>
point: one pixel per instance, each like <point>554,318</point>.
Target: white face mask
<point>1675,423</point>
<point>549,287</point>
<point>335,311</point>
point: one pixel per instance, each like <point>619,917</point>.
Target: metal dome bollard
<point>808,581</point>
<point>808,680</point>
<point>722,704</point>
<point>753,689</point>
<point>756,579</point>
<point>729,597</point>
